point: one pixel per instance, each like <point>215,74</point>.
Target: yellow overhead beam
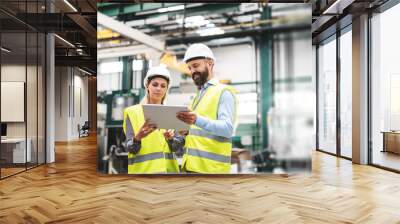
<point>169,59</point>
<point>107,34</point>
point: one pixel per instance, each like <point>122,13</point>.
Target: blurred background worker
<point>150,150</point>
<point>208,144</point>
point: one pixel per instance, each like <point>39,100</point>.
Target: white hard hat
<point>157,71</point>
<point>198,51</point>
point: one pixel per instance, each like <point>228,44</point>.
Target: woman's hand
<point>145,130</point>
<point>169,134</point>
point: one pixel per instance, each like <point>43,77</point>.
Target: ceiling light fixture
<point>193,21</point>
<point>70,5</point>
<point>86,72</point>
<point>172,8</point>
<point>64,40</point>
<point>5,49</point>
<point>210,31</point>
<point>337,7</point>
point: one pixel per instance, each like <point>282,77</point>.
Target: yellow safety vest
<point>154,155</point>
<point>206,152</point>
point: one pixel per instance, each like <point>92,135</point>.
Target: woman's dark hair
<point>157,76</point>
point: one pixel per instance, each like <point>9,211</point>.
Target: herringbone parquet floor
<point>70,191</point>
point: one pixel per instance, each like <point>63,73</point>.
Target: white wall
<point>236,63</point>
<point>61,103</point>
<point>80,100</point>
<point>71,94</point>
<point>12,73</point>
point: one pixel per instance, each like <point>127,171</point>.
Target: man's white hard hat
<point>157,71</point>
<point>198,51</point>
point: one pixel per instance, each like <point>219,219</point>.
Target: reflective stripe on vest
<point>202,133</point>
<point>169,155</point>
<point>151,156</point>
<point>209,155</point>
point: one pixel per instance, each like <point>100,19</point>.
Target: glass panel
<point>22,67</point>
<point>346,94</point>
<point>13,87</point>
<point>327,96</point>
<point>31,98</point>
<point>385,89</point>
<point>41,99</point>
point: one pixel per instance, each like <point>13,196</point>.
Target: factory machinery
<point>112,154</point>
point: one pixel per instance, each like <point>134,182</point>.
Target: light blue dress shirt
<point>223,126</point>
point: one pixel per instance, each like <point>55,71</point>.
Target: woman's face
<point>157,88</point>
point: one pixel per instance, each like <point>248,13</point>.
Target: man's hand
<point>183,132</point>
<point>189,117</point>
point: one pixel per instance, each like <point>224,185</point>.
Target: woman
<point>150,150</point>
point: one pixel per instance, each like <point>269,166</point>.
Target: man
<point>208,145</point>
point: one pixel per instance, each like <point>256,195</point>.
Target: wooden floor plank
<point>71,191</point>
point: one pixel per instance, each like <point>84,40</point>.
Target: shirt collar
<point>214,81</point>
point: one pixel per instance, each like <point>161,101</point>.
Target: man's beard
<point>200,78</point>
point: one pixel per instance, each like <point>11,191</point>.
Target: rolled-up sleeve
<point>131,145</point>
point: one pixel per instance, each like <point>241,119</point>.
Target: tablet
<point>165,116</point>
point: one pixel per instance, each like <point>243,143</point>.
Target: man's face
<point>199,71</point>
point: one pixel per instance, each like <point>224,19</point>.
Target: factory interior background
<point>263,52</point>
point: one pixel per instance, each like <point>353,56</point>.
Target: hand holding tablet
<point>165,117</point>
<point>188,117</point>
<point>147,128</point>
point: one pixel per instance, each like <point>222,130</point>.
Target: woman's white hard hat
<point>157,71</point>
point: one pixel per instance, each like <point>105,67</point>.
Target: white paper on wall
<point>12,101</point>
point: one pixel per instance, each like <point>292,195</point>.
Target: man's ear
<point>210,63</point>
